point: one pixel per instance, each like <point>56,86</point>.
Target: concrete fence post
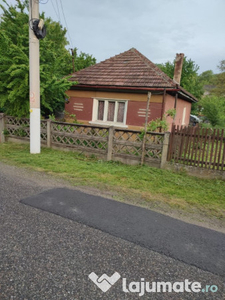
<point>165,149</point>
<point>49,138</point>
<point>110,143</point>
<point>2,128</point>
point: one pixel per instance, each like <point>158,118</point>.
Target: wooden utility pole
<point>72,52</point>
<point>145,129</point>
<point>35,115</point>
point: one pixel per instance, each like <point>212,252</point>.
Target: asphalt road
<point>192,244</point>
<point>44,255</point>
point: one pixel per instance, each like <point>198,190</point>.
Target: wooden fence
<point>109,143</point>
<point>190,146</point>
<point>198,147</point>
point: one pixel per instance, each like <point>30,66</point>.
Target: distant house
<point>114,92</point>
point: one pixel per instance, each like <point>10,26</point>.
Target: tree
<point>83,60</point>
<point>207,77</point>
<point>189,77</point>
<point>55,62</point>
<point>213,108</point>
<point>213,105</point>
<point>220,81</point>
<point>14,60</point>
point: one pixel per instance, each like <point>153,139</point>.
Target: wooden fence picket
<point>197,147</point>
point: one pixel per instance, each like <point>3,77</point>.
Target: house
<point>114,92</point>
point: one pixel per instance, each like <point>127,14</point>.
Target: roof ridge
<point>146,61</point>
<point>101,62</point>
<point>154,67</point>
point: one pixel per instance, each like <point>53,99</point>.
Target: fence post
<point>110,143</point>
<point>49,133</point>
<point>145,129</point>
<point>165,149</point>
<point>173,129</point>
<point>2,128</point>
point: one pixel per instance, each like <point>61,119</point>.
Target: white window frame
<point>184,115</point>
<point>105,122</point>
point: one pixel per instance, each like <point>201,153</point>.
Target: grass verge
<point>149,184</point>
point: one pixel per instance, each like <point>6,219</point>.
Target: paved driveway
<point>48,256</point>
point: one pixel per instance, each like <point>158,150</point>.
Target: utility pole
<point>145,129</point>
<point>35,115</point>
<point>72,52</point>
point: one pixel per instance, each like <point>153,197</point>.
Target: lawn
<point>148,184</point>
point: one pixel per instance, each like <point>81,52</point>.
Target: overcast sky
<point>158,29</point>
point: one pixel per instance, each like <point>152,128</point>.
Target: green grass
<point>149,184</point>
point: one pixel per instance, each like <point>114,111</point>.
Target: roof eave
<point>188,97</point>
<point>187,94</point>
<point>131,88</point>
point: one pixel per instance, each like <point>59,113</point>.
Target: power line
<point>54,9</point>
<point>58,10</point>
<point>43,1</point>
<point>66,24</point>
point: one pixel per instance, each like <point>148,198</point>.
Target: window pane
<point>111,109</point>
<point>120,115</point>
<point>101,110</point>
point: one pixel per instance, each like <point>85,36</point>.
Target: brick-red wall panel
<point>155,110</point>
<point>81,107</point>
<point>136,112</point>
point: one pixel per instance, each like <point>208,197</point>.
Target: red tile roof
<point>128,69</point>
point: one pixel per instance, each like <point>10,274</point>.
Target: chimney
<point>178,67</point>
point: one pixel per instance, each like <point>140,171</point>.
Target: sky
<point>158,29</point>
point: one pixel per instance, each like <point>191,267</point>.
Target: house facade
<point>115,92</point>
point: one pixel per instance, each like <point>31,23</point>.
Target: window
<point>101,110</point>
<point>184,116</point>
<point>109,112</point>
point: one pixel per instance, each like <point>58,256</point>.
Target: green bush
<point>213,108</point>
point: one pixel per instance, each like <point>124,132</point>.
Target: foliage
<point>161,125</point>
<point>171,113</point>
<point>83,60</point>
<point>52,117</point>
<point>55,63</point>
<point>14,61</point>
<point>195,109</point>
<point>70,118</point>
<point>220,81</point>
<point>158,125</point>
<point>213,108</point>
<point>189,77</point>
<point>207,78</point>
